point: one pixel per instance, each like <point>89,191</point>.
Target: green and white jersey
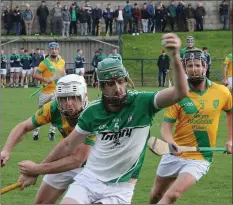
<point>121,137</point>
<point>115,56</point>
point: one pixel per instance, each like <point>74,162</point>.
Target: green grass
<point>215,188</point>
<point>148,46</point>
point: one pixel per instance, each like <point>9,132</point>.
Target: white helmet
<point>71,85</point>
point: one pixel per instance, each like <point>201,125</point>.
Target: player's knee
<point>172,195</point>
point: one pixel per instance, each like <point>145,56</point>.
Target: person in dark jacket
<point>7,18</point>
<point>190,17</point>
<point>163,65</point>
<point>172,14</point>
<point>136,14</point>
<point>145,18</point>
<point>74,18</point>
<point>158,18</point>
<point>180,16</point>
<point>96,18</point>
<point>36,59</point>
<point>26,63</point>
<point>224,10</point>
<point>108,16</point>
<point>200,13</point>
<point>83,18</point>
<point>42,12</point>
<point>17,17</point>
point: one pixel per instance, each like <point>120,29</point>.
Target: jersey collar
<point>208,84</point>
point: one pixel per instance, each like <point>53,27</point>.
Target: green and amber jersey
<point>198,118</point>
<point>49,113</point>
<point>228,61</point>
<point>47,68</point>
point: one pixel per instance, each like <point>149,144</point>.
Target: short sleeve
<point>227,61</point>
<point>42,116</point>
<point>41,68</point>
<point>171,114</point>
<point>228,104</point>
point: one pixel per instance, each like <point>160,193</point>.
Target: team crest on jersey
<point>40,112</point>
<point>215,103</point>
<point>130,118</point>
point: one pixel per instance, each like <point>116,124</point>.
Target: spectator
<point>28,18</point>
<point>136,14</point>
<point>190,17</point>
<point>74,18</point>
<point>145,18</point>
<point>83,19</point>
<point>180,16</point>
<point>164,17</point>
<point>56,14</point>
<point>88,8</point>
<point>43,54</point>
<point>96,18</point>
<point>128,17</point>
<point>223,10</point>
<point>3,68</point>
<point>163,65</point>
<point>42,13</point>
<point>26,62</point>
<point>119,18</point>
<point>66,18</point>
<point>94,63</point>
<point>36,59</point>
<point>108,16</point>
<point>17,16</point>
<point>7,18</point>
<point>151,10</point>
<point>208,61</point>
<point>172,14</point>
<point>200,13</point>
<point>79,63</point>
<point>115,54</point>
<point>158,18</point>
<point>15,68</point>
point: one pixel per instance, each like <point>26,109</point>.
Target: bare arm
<point>170,96</point>
<point>67,163</point>
<point>225,71</point>
<point>14,138</point>
<point>66,146</point>
<point>229,132</point>
<point>166,132</point>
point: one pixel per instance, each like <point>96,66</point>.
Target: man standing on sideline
<point>163,65</point>
<point>28,18</point>
<point>172,14</point>
<point>115,54</point>
<point>224,14</point>
<point>108,16</point>
<point>42,12</point>
<point>79,63</point>
<point>36,59</point>
<point>128,17</point>
<point>208,61</point>
<point>15,68</point>
<point>96,18</point>
<point>227,71</point>
<point>200,14</point>
<point>44,72</point>
<point>198,120</point>
<point>118,118</point>
<point>190,17</point>
<point>3,68</point>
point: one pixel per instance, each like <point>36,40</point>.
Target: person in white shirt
<point>119,20</point>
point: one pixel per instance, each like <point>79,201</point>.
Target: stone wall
<point>211,21</point>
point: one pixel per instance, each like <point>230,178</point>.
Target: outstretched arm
<point>170,96</point>
<point>229,132</point>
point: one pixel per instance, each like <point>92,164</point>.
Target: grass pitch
<point>215,188</point>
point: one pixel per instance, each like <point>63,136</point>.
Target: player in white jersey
<point>121,120</point>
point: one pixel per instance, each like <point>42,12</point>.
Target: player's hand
<point>48,80</point>
<point>28,167</point>
<point>5,156</point>
<point>229,146</point>
<point>225,82</point>
<point>27,181</point>
<point>172,42</point>
<point>177,152</point>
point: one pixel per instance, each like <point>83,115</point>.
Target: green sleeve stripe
<point>230,110</point>
<point>35,123</point>
<point>89,142</point>
<point>167,119</point>
<point>39,71</point>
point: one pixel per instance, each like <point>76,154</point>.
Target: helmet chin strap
<point>114,101</point>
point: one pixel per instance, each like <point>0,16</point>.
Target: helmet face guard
<point>192,55</point>
<point>190,42</point>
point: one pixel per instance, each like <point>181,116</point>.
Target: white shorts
<point>26,72</point>
<point>230,82</point>
<point>62,180</point>
<point>3,71</point>
<point>79,70</point>
<point>87,190</point>
<point>16,69</point>
<point>172,166</point>
<point>44,98</point>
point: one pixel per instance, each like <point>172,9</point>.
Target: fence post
<point>142,67</point>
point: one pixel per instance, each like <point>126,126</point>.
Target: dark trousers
<point>108,23</point>
<point>73,27</point>
<point>128,19</point>
<point>43,25</point>
<point>57,25</point>
<point>164,24</point>
<point>17,26</point>
<point>162,73</point>
<point>89,24</point>
<point>8,27</point>
<point>199,24</point>
<point>158,25</point>
<point>172,23</point>
<point>135,25</point>
<point>95,27</point>
<point>181,24</point>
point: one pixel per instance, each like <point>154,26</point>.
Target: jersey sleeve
<point>171,114</point>
<point>148,101</point>
<point>227,61</point>
<point>42,116</point>
<point>228,105</point>
<point>84,125</point>
<point>90,140</point>
<point>41,68</point>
